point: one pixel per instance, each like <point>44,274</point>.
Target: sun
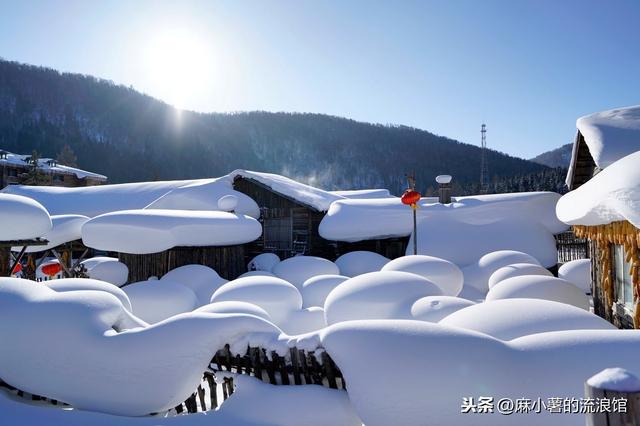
<point>180,66</point>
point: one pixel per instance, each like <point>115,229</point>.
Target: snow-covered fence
<point>570,247</point>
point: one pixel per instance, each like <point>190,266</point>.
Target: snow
<point>377,295</point>
<point>263,262</point>
<point>156,300</point>
<point>509,319</point>
<point>154,231</point>
<point>298,269</point>
<point>202,280</point>
<point>303,321</point>
<point>615,379</point>
<point>441,365</point>
<point>611,135</point>
<point>22,218</point>
<point>434,308</point>
<point>66,228</point>
<point>360,262</point>
<point>75,284</point>
<point>363,193</point>
<point>611,195</point>
<point>316,289</point>
<point>228,203</point>
<point>108,269</point>
<point>276,296</point>
<point>441,272</point>
<point>92,365</point>
<point>45,165</point>
<point>235,307</point>
<point>515,270</point>
<point>578,273</point>
<point>539,287</point>
<point>256,274</point>
<point>477,275</point>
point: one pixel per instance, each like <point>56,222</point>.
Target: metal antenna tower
<point>484,170</point>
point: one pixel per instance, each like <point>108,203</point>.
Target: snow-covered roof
<point>22,218</point>
<point>612,195</point>
<point>609,135</point>
<point>363,193</point>
<point>49,165</point>
<point>316,198</point>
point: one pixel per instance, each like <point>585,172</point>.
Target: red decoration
<point>410,197</point>
<point>17,269</point>
<point>51,269</point>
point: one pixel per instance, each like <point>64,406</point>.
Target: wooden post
<point>611,385</point>
<point>415,231</point>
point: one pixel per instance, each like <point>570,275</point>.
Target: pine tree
<point>67,157</point>
<point>35,176</point>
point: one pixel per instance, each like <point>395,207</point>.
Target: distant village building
<point>14,168</point>
<point>605,161</point>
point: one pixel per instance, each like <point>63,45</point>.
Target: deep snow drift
<point>22,218</point>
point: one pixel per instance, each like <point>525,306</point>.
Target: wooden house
<point>603,140</point>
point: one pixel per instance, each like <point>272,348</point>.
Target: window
<point>622,276</point>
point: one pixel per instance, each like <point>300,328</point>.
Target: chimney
<point>444,189</point>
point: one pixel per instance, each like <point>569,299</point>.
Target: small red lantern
<point>410,197</point>
<point>17,269</point>
<point>51,269</point>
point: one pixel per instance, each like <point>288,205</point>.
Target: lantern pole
<point>414,207</point>
<point>411,197</point>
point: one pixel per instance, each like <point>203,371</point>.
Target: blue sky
<point>526,68</point>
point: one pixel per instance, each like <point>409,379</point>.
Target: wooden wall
<point>584,168</point>
<point>229,261</point>
<point>389,247</point>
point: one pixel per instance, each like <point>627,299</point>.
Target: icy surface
<point>263,262</point>
<point>615,379</point>
<point>66,228</point>
<point>316,289</point>
<point>108,269</point>
<point>509,319</point>
<point>539,287</point>
<point>477,274</point>
<point>377,295</point>
<point>276,296</point>
<point>441,365</point>
<point>578,273</point>
<point>75,284</point>
<point>360,262</point>
<point>154,231</point>
<point>156,300</point>
<point>298,269</point>
<point>515,270</point>
<point>611,195</point>
<point>202,280</point>
<point>22,218</point>
<point>441,272</point>
<point>434,308</point>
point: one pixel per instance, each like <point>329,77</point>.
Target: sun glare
<point>180,65</point>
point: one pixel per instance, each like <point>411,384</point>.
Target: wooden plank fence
<point>570,247</point>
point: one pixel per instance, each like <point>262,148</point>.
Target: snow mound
<point>304,321</point>
<point>263,262</point>
<point>516,270</point>
<point>22,218</point>
<point>578,273</point>
<point>360,262</point>
<point>377,295</point>
<point>65,228</point>
<point>89,349</point>
<point>434,308</point>
<point>75,284</point>
<point>441,272</point>
<point>228,203</point>
<point>539,287</point>
<point>108,269</point>
<point>509,319</point>
<point>477,275</point>
<point>257,274</point>
<point>202,280</point>
<point>156,300</point>
<point>153,231</point>
<point>615,379</point>
<point>316,289</point>
<point>611,195</point>
<point>297,270</point>
<point>363,193</point>
<point>434,363</point>
<point>235,307</point>
<point>276,296</point>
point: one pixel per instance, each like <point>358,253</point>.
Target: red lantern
<point>51,269</point>
<point>17,269</point>
<point>410,197</point>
